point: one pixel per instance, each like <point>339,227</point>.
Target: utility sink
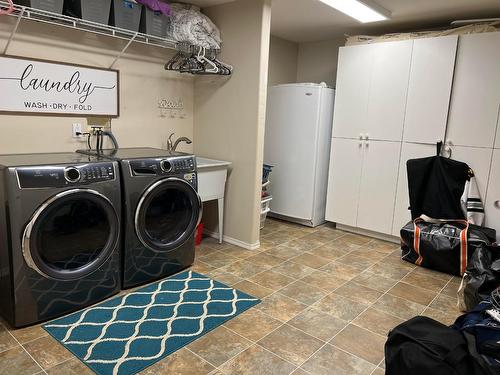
<point>212,176</point>
<point>203,163</point>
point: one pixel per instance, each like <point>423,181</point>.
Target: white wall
<point>317,61</point>
<point>283,59</point>
<point>230,114</point>
<point>142,82</point>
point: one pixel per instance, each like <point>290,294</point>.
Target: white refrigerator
<point>297,143</point>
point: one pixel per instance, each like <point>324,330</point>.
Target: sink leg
<point>220,206</point>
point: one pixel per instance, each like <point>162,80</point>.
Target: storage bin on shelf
<point>54,6</point>
<point>154,23</point>
<point>126,14</point>
<point>89,10</point>
<point>266,170</point>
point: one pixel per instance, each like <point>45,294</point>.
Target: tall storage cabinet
<point>367,131</point>
<point>429,92</point>
<point>475,103</point>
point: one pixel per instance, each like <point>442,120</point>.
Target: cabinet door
<point>401,212</point>
<point>475,99</point>
<point>346,159</point>
<point>388,89</point>
<point>479,159</point>
<point>351,98</point>
<point>492,203</point>
<point>431,76</point>
<point>378,186</point>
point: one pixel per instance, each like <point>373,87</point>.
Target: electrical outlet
<point>77,130</point>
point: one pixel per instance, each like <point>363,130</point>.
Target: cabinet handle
<point>497,204</point>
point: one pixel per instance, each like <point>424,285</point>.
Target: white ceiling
<point>311,20</point>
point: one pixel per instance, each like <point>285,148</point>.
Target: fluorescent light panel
<point>359,10</point>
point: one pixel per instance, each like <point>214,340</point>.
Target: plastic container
<point>54,6</point>
<point>89,10</point>
<point>263,216</point>
<point>266,170</point>
<point>265,202</point>
<point>154,23</point>
<point>126,14</point>
<point>264,209</point>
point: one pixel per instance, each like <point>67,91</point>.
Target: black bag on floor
<point>482,330</point>
<point>424,346</point>
<point>481,277</point>
<point>443,245</point>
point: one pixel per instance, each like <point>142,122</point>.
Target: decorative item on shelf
<point>173,108</point>
<point>197,60</point>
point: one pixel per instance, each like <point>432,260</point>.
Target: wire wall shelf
<point>21,12</point>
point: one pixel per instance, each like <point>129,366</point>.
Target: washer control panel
<point>61,176</point>
<point>163,166</point>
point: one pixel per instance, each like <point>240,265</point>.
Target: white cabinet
<point>353,83</point>
<point>378,186</point>
<point>362,183</point>
<point>479,159</point>
<point>388,89</point>
<point>475,101</point>
<point>401,212</point>
<point>372,83</point>
<point>492,203</point>
<point>429,90</point>
<point>346,161</point>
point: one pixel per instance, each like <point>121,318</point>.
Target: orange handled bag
<point>442,245</point>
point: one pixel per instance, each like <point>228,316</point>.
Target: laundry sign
<point>31,86</point>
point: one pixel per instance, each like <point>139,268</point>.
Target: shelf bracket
<point>123,50</point>
<point>14,30</point>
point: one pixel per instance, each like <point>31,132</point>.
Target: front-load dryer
<point>160,213</point>
<point>59,234</point>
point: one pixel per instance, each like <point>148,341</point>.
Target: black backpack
<point>424,346</point>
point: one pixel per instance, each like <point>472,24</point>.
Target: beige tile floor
<point>328,300</point>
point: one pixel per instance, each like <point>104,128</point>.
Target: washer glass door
<point>71,235</point>
<point>167,214</point>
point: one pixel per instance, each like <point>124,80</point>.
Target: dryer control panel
<point>39,177</point>
<point>163,166</point>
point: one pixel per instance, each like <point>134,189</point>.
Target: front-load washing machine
<point>59,234</point>
<point>160,213</point>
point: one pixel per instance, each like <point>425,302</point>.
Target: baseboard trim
<point>369,233</point>
<point>233,241</point>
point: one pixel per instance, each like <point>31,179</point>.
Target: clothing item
<point>485,333</point>
<point>472,206</point>
<point>157,5</point>
<point>191,26</point>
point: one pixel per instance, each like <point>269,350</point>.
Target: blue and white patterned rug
<point>129,333</point>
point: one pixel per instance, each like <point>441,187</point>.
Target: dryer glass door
<point>71,235</point>
<point>167,214</point>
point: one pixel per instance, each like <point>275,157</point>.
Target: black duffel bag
<point>424,346</point>
<point>481,277</point>
<point>443,245</point>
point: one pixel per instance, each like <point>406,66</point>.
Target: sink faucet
<point>171,147</point>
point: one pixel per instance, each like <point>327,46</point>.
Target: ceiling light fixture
<point>364,11</point>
